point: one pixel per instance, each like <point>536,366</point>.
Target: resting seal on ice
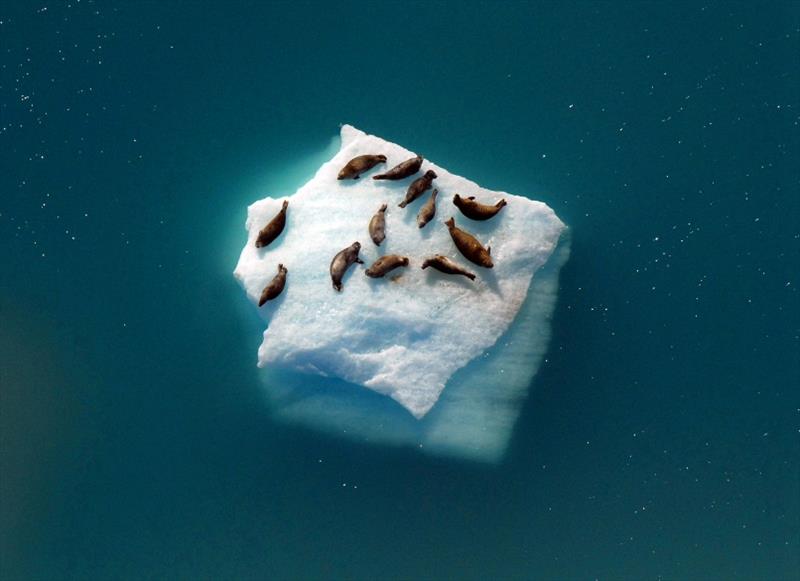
<point>275,287</point>
<point>428,210</point>
<point>377,226</point>
<point>418,187</point>
<point>469,246</point>
<point>358,165</point>
<point>342,261</point>
<point>385,264</point>
<point>447,266</point>
<point>272,230</point>
<point>402,170</point>
<point>475,210</point>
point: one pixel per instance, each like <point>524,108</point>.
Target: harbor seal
<point>275,287</point>
<point>358,165</point>
<point>377,226</point>
<point>385,264</point>
<point>418,187</point>
<point>402,170</point>
<point>272,230</point>
<point>469,246</point>
<point>447,266</point>
<point>428,210</point>
<point>475,210</point>
<point>342,261</point>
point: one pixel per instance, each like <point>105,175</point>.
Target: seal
<point>477,211</point>
<point>402,170</point>
<point>385,264</point>
<point>418,187</point>
<point>358,165</point>
<point>272,230</point>
<point>428,210</point>
<point>377,226</point>
<point>275,287</point>
<point>342,261</point>
<point>469,246</point>
<point>447,266</point>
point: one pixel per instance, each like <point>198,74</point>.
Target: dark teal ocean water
<point>661,439</point>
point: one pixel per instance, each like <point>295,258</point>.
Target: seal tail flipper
<point>501,203</point>
<point>469,275</point>
<point>402,204</point>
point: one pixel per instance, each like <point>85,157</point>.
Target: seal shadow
<point>489,276</point>
<point>427,230</point>
<point>394,277</point>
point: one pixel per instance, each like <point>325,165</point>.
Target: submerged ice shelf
<point>404,336</point>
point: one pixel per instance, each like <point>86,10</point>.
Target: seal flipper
<point>471,198</point>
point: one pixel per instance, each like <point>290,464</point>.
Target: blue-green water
<point>662,436</point>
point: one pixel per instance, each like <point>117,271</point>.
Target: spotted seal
<point>275,287</point>
<point>469,246</point>
<point>475,210</point>
<point>377,226</point>
<point>385,264</point>
<point>428,210</point>
<point>402,170</point>
<point>447,266</point>
<point>358,165</point>
<point>418,187</point>
<point>342,261</point>
<point>272,230</point>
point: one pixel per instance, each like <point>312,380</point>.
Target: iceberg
<point>340,360</point>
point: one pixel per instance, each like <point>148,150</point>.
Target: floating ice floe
<point>416,336</point>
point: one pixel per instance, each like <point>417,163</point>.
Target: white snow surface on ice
<point>404,335</point>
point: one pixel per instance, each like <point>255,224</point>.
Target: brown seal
<point>418,187</point>
<point>377,226</point>
<point>408,168</point>
<point>428,210</point>
<point>358,165</point>
<point>469,246</point>
<point>342,261</point>
<point>275,287</point>
<point>447,266</point>
<point>477,211</point>
<point>385,264</point>
<point>272,230</point>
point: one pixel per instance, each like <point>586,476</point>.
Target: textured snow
<point>403,336</point>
